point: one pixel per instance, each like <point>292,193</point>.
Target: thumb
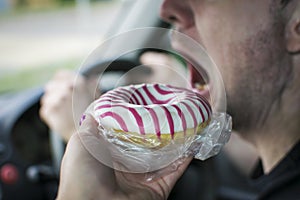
<point>163,181</point>
<point>88,124</point>
<point>172,178</point>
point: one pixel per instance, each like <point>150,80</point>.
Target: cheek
<point>243,58</point>
<point>222,25</point>
<point>255,73</point>
<point>218,45</point>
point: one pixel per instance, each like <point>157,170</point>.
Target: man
<point>256,45</point>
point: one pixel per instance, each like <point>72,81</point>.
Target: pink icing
<point>136,115</point>
<point>191,113</point>
<point>155,120</point>
<point>137,98</point>
<point>138,119</point>
<point>153,99</point>
<point>142,97</point>
<point>161,91</point>
<point>170,121</point>
<point>118,118</point>
<point>182,117</point>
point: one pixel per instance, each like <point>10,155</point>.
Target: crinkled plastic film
<point>132,157</point>
<point>136,158</point>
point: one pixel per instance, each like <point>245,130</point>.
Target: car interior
<point>30,153</point>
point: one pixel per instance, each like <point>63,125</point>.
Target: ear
<point>293,31</point>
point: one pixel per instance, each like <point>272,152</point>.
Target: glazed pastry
<point>152,115</point>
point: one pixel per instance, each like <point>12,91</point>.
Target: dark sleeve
<point>286,187</point>
<point>197,182</point>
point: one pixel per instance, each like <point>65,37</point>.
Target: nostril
<point>172,18</point>
<point>177,12</point>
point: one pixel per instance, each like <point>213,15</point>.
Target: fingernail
<point>82,119</point>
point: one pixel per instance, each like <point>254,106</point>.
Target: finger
<point>86,165</point>
<point>54,105</point>
<point>54,85</point>
<point>172,178</point>
<point>93,86</point>
<point>150,58</point>
<point>165,180</point>
<point>50,86</point>
<point>79,153</point>
<point>89,126</point>
<point>62,78</point>
<point>146,57</point>
<point>82,176</point>
<point>55,102</point>
<point>93,142</point>
<point>64,74</point>
<point>42,113</point>
<point>55,92</point>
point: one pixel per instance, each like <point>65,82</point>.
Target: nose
<point>178,13</point>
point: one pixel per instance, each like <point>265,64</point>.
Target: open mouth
<point>198,80</point>
<point>198,77</point>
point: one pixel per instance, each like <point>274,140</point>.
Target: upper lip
<point>197,74</point>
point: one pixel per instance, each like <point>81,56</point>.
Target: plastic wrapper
<point>122,154</point>
<point>137,158</point>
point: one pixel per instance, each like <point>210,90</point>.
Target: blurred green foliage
<point>32,77</point>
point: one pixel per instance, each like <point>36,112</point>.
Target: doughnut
<point>152,115</point>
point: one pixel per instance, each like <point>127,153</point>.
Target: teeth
<point>200,86</point>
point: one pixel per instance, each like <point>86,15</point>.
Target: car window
<point>39,37</point>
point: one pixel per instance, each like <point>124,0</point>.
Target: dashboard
<point>26,170</point>
<point>30,138</point>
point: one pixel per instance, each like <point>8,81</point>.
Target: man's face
<point>246,40</point>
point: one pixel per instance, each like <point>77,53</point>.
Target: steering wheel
<point>130,10</point>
